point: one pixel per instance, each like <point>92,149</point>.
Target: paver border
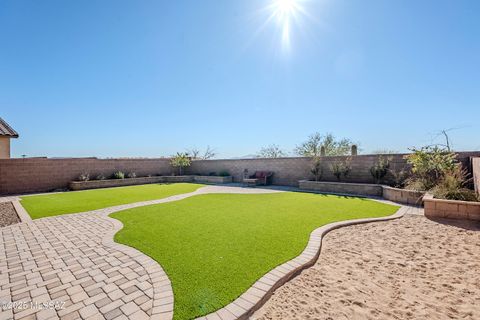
<point>163,300</point>
<point>21,212</point>
<point>253,298</point>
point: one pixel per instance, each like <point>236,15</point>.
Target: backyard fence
<point>28,175</point>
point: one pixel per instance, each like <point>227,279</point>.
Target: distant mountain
<point>248,156</point>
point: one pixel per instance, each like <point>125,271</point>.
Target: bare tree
<point>196,154</point>
<point>209,153</point>
<point>272,151</point>
<point>333,146</point>
<point>193,153</point>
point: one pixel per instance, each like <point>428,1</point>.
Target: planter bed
<point>97,184</point>
<point>362,189</point>
<point>213,179</point>
<point>403,196</point>
<point>451,209</point>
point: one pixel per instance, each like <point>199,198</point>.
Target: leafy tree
<point>272,151</point>
<point>333,146</point>
<point>429,166</point>
<point>180,161</point>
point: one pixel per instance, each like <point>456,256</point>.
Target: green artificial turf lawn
<point>80,201</point>
<point>214,247</point>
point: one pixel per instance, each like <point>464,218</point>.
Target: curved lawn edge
<point>162,286</point>
<point>259,293</point>
<point>254,297</point>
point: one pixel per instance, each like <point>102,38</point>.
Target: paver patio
<point>73,260</point>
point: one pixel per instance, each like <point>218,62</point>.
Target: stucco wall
<point>4,148</point>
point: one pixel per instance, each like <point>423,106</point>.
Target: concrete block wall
<point>42,175</point>
<point>288,171</point>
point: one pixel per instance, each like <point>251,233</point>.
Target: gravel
<point>8,215</point>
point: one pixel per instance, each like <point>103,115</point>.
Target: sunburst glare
<point>285,12</point>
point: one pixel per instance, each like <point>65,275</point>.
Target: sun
<point>285,11</point>
<point>285,8</point>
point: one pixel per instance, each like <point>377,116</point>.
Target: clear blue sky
<point>149,78</point>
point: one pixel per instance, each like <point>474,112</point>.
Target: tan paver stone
<point>88,311</point>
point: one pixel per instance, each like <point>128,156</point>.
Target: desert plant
<point>131,175</point>
<point>341,168</point>
<point>380,169</point>
<point>429,166</point>
<point>180,161</point>
<point>398,177</point>
<point>452,186</point>
<point>118,175</point>
<point>317,169</point>
<point>100,177</point>
<point>85,176</point>
<point>224,173</point>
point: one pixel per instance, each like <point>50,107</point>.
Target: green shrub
<point>100,177</point>
<point>317,169</point>
<point>84,176</point>
<point>131,175</point>
<point>341,168</point>
<point>429,166</point>
<point>398,178</point>
<point>224,173</point>
<point>380,169</point>
<point>211,174</point>
<point>180,161</point>
<point>452,186</point>
<point>118,175</point>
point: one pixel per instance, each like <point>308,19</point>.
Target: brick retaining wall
<point>451,209</point>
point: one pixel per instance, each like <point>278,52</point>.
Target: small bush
<point>429,166</point>
<point>84,177</point>
<point>118,175</point>
<point>100,177</point>
<point>380,169</point>
<point>131,175</point>
<point>399,178</point>
<point>212,174</point>
<point>341,168</point>
<point>317,169</point>
<point>452,186</point>
<point>224,173</point>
